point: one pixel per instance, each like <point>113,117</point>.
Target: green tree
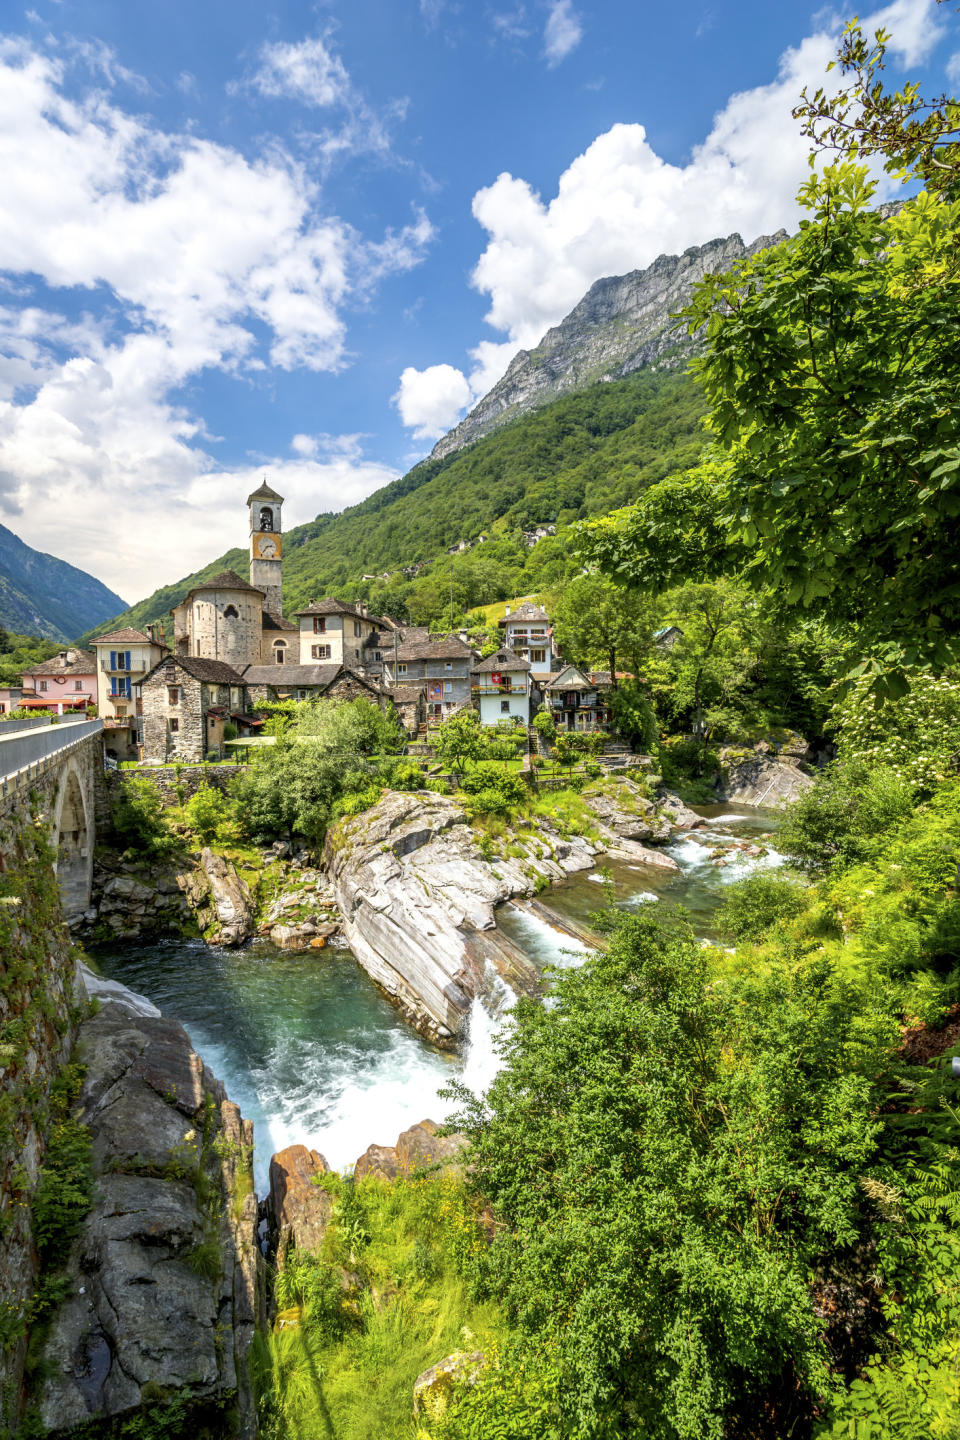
<point>598,624</point>
<point>459,740</point>
<point>205,812</point>
<point>669,1161</point>
<point>706,671</point>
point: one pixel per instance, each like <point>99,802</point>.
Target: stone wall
<point>37,1022</point>
<point>188,741</point>
<point>171,787</point>
<point>215,637</point>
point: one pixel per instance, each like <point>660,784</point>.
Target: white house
<point>124,657</point>
<point>501,687</point>
<point>528,631</point>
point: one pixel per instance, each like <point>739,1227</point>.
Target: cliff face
<point>622,324</point>
<point>40,595</point>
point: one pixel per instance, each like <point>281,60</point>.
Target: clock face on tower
<point>266,547</point>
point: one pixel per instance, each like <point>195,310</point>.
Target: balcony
<point>504,688</point>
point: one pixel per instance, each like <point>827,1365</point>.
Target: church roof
<point>264,493</point>
<point>226,580</point>
<point>272,621</point>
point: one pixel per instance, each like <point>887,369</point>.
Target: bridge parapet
<point>27,753</point>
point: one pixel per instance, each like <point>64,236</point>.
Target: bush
<point>137,819</point>
<point>844,816</point>
<point>493,790</point>
<point>752,906</point>
<point>205,812</point>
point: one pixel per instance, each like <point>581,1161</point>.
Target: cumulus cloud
<point>562,33</point>
<point>195,257</point>
<point>430,400</point>
<point>619,205</point>
<point>307,71</point>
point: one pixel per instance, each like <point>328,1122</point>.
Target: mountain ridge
<point>41,595</point>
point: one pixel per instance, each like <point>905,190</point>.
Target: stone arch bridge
<point>62,766</point>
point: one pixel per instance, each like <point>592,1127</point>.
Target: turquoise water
<point>313,1053</point>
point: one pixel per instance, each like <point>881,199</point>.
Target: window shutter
<point>113,659</point>
<point>126,659</point>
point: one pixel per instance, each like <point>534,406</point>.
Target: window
<point>504,707</point>
<point>121,711</point>
<point>174,725</point>
<point>538,657</point>
<point>301,695</point>
<point>43,685</point>
<point>119,659</point>
<point>320,652</point>
<point>401,668</point>
<point>357,628</point>
<point>319,624</point>
<point>78,684</point>
<point>279,651</point>
<point>447,687</point>
<point>173,694</point>
<point>230,613</point>
<point>448,665</point>
<point>120,687</point>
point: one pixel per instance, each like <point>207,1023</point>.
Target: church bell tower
<point>266,564</point>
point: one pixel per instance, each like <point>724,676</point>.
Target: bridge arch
<point>73,839</point>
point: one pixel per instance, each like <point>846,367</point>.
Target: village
<point>234,653</point>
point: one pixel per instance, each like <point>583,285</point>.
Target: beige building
<point>334,632</point>
<point>124,657</point>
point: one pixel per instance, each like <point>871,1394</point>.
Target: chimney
<point>463,636</point>
<point>506,610</point>
<point>63,656</point>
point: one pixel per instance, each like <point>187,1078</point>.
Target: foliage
<point>545,726</point>
<point>845,816</point>
<point>752,906</point>
<point>600,626</point>
<point>21,652</point>
<point>136,817</point>
<point>916,736</point>
<point>493,790</point>
<point>205,812</point>
<point>460,740</point>
<point>65,1187</point>
<point>667,1160</point>
<point>633,715</point>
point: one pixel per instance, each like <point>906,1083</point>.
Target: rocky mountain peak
<point>622,324</point>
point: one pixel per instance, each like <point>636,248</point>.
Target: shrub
<point>844,816</point>
<point>493,790</point>
<point>753,905</point>
<point>137,818</point>
<point>205,812</point>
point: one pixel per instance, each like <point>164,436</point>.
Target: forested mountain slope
<point>581,456</point>
<point>40,595</point>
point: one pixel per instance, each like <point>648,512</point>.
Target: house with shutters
<point>61,685</point>
<point>578,699</point>
<point>527,630</point>
<point>334,632</point>
<point>186,701</point>
<point>501,688</point>
<point>439,666</point>
<point>124,657</point>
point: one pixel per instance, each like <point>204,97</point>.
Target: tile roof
<point>272,621</point>
<point>83,663</point>
<point>524,614</point>
<point>127,636</point>
<point>502,660</point>
<point>406,694</point>
<point>263,493</point>
<point>306,677</point>
<point>215,672</point>
<point>569,678</point>
<point>226,580</point>
<point>446,649</point>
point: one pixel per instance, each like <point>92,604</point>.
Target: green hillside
<point>41,595</point>
<point>581,456</point>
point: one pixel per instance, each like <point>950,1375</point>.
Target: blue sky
<point>301,239</point>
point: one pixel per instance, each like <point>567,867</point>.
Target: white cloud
<point>307,71</point>
<point>195,257</point>
<point>953,68</point>
<point>430,400</point>
<point>562,33</point>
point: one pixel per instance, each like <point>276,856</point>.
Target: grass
<point>340,1363</point>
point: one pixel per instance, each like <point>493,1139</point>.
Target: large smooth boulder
<point>301,1209</point>
<point>230,898</point>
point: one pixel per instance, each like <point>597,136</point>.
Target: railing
<point>19,751</point>
<point>11,727</point>
<point>504,689</point>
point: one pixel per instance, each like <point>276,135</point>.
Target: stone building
<point>186,701</point>
<point>440,667</point>
<point>501,686</point>
<point>308,682</point>
<point>65,683</point>
<point>221,619</point>
<point>124,657</point>
<point>333,631</point>
<point>527,630</point>
<point>578,700</point>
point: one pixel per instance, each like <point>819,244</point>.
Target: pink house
<point>67,682</point>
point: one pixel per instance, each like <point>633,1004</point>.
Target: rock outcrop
<point>434,1390</point>
<point>419,1148</point>
<point>134,898</point>
<point>417,901</point>
<point>165,1282</point>
<point>622,324</point>
<point>762,778</point>
<point>301,1209</point>
<point>230,900</point>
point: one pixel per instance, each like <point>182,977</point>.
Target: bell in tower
<point>265,546</point>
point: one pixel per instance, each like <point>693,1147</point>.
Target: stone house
<point>440,667</point>
<point>411,706</point>
<point>124,657</point>
<point>501,686</point>
<point>667,637</point>
<point>10,698</point>
<point>528,631</point>
<point>578,700</point>
<point>65,683</point>
<point>308,682</point>
<point>187,700</point>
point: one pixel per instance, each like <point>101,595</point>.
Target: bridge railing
<point>26,747</point>
<point>11,727</point>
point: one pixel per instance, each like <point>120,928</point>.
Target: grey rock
<point>231,899</point>
<point>762,780</point>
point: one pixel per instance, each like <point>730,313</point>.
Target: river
<point>312,1052</point>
